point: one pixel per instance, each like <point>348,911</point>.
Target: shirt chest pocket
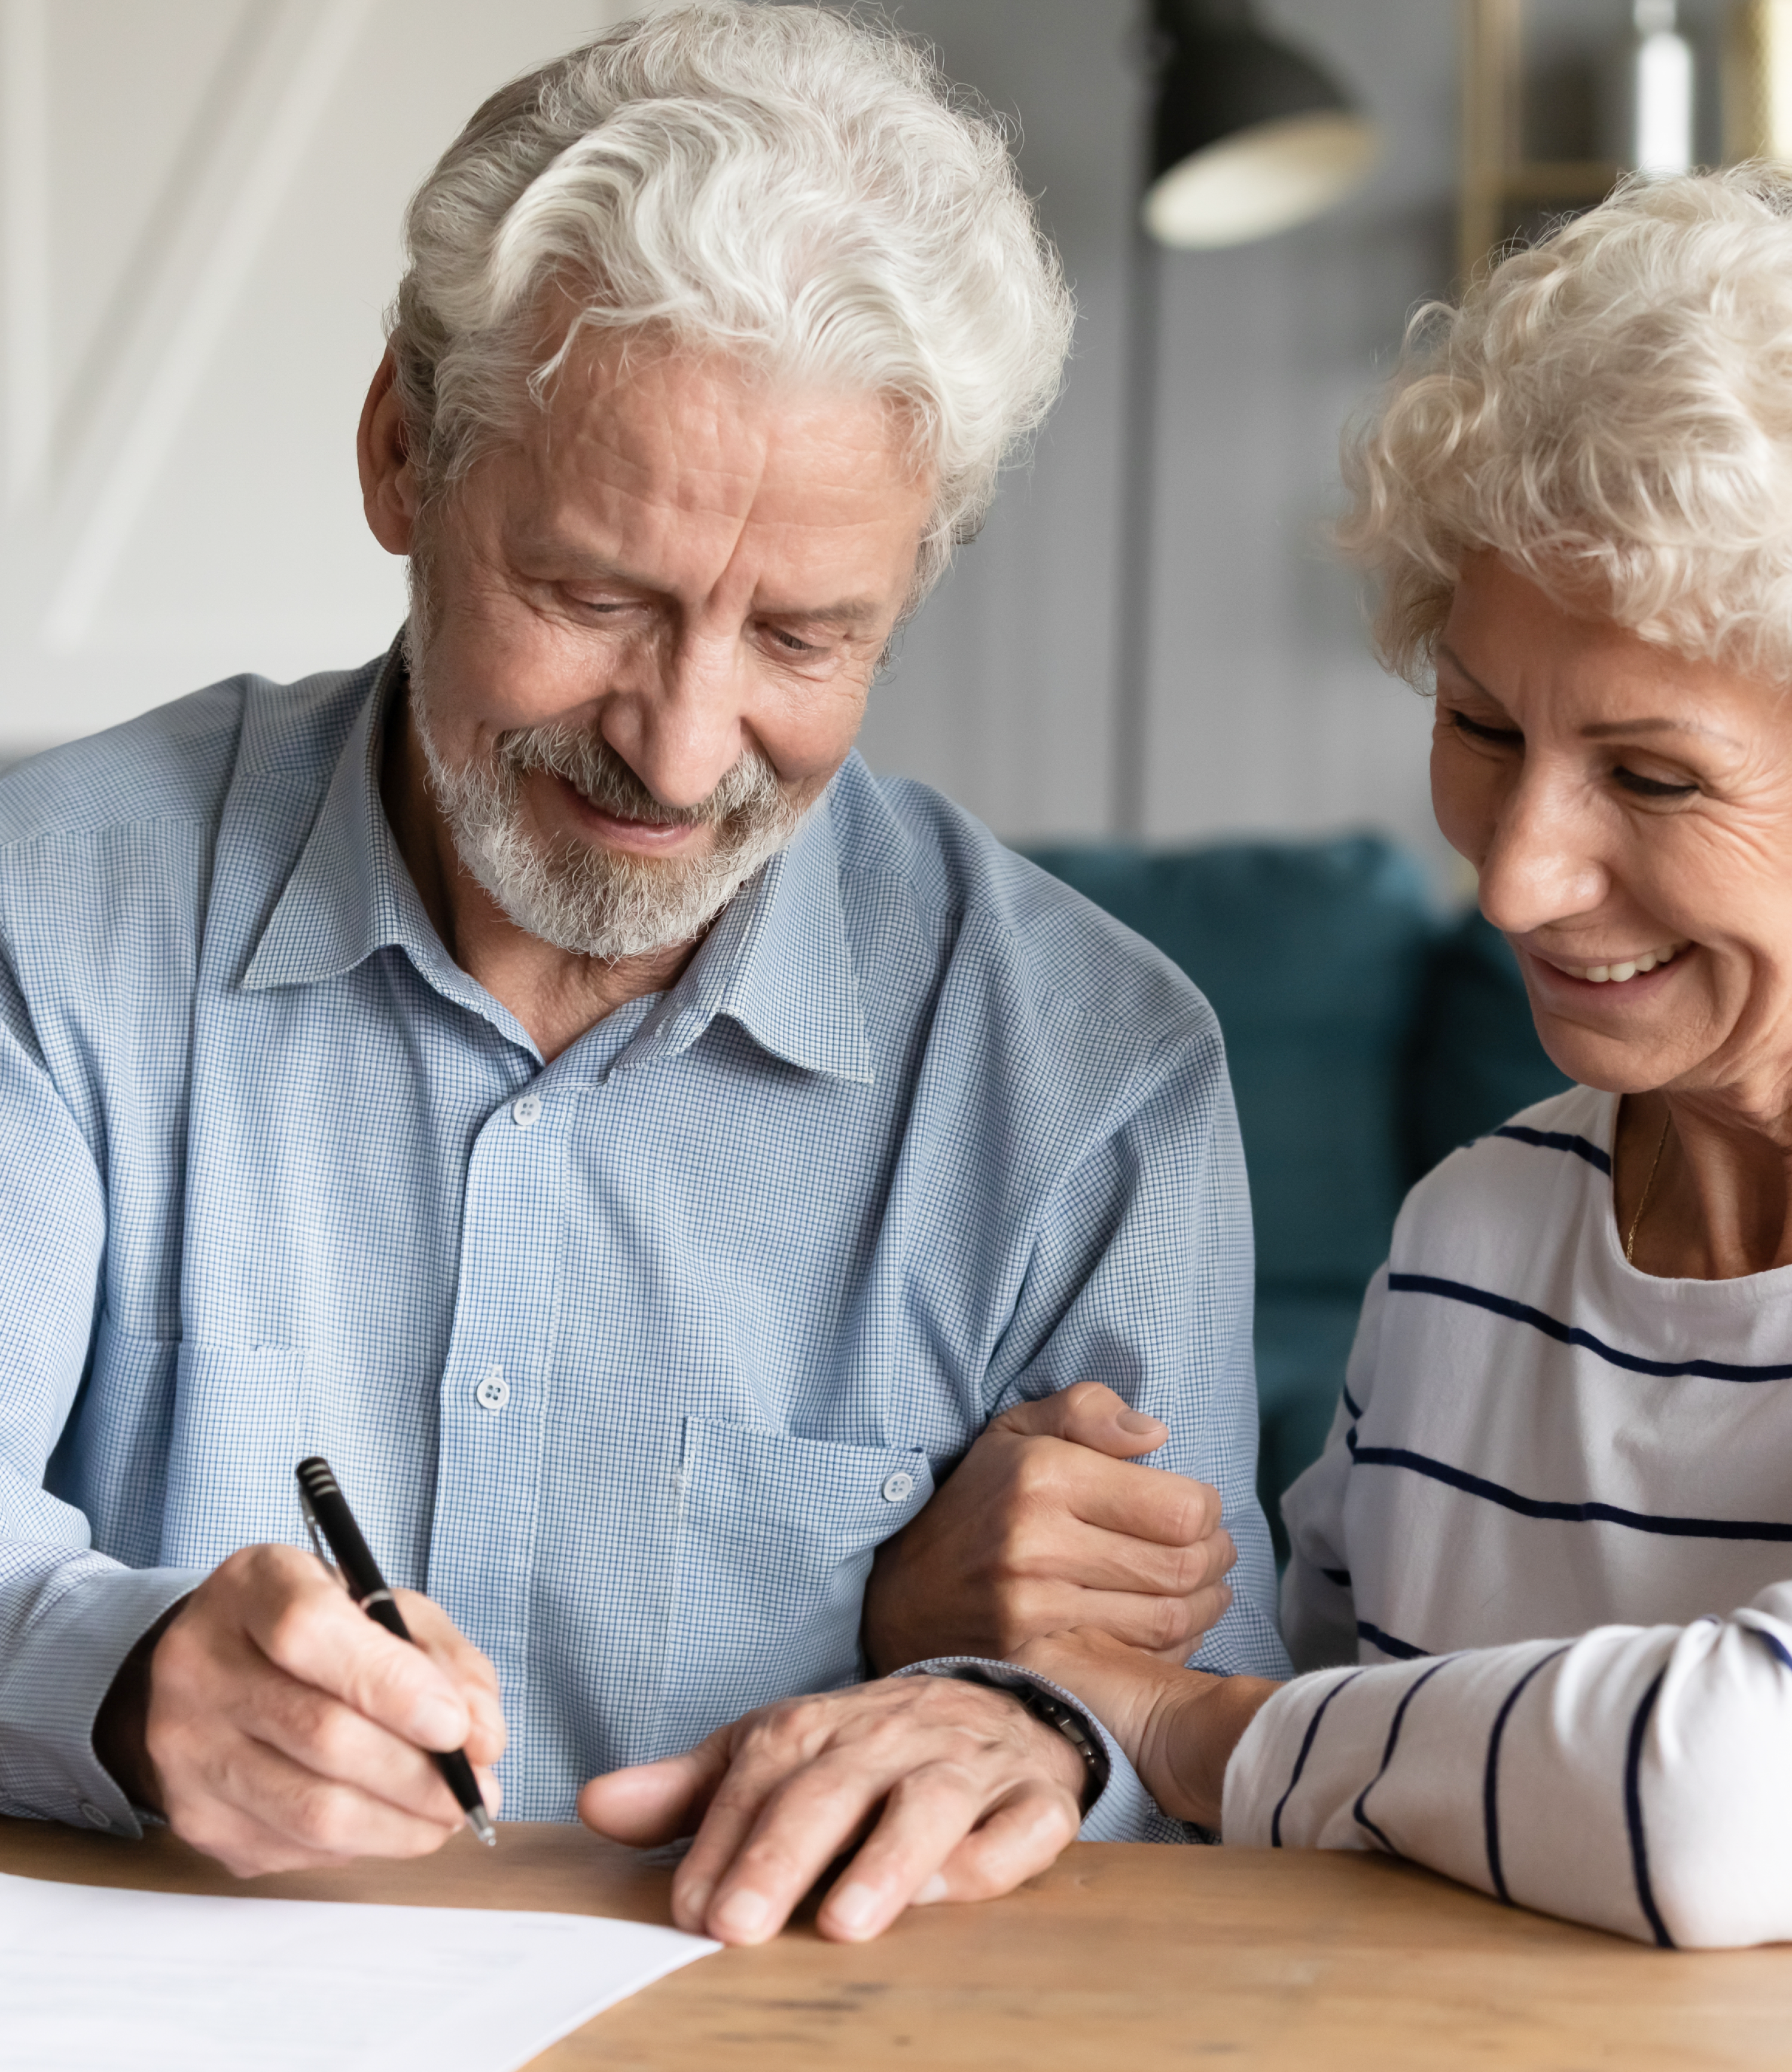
<point>775,1541</point>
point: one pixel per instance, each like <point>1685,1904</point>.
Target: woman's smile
<point>1620,970</point>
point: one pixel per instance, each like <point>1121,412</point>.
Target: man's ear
<point>389,482</point>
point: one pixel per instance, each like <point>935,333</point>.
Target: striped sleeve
<point>1635,1779</point>
<point>1319,1621</point>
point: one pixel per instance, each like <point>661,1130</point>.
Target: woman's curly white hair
<point>1611,413</point>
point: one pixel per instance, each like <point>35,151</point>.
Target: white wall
<point>200,201</point>
<point>199,214</point>
<point>1265,712</point>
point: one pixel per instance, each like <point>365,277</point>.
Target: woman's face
<point>1630,814</point>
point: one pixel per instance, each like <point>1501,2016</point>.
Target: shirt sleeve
<point>1142,1279</point>
<point>1319,1609</point>
<point>68,1616</point>
<point>1634,1779</point>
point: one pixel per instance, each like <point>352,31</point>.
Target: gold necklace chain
<point>1648,1185</point>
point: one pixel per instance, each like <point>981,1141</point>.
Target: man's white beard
<point>591,901</point>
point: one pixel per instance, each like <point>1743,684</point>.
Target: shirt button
<point>493,1391</point>
<point>95,1816</point>
<point>526,1113</point>
<point>898,1487</point>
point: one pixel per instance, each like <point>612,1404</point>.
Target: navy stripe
<point>1632,1815</point>
<point>1301,1760</point>
<point>1350,1404</point>
<point>1572,1513</point>
<point>1389,1645</point>
<point>1340,1577</point>
<point>1571,1334</point>
<point>1556,1140</point>
<point>1773,1645</point>
<point>1490,1791</point>
<point>1406,1696</point>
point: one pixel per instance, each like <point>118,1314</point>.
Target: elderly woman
<point>1541,1572</point>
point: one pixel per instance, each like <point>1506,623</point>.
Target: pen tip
<point>480,1821</point>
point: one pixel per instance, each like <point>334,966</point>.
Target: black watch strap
<point>1052,1710</point>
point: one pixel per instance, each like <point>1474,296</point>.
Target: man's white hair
<point>1612,413</point>
<point>785,184</point>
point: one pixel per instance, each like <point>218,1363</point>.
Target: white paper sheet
<point>92,1979</point>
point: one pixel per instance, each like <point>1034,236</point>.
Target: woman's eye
<point>1649,787</point>
<point>1504,736</point>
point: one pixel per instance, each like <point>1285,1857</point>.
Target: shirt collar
<point>777,961</point>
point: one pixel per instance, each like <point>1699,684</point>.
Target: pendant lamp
<point>1251,136</point>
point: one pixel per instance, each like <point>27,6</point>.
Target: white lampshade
<point>1261,180</point>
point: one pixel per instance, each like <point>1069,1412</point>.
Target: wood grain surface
<point>1125,1959</point>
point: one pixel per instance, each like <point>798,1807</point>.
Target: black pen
<point>326,1511</point>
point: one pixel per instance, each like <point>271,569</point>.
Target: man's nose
<point>686,727</point>
<point>1545,863</point>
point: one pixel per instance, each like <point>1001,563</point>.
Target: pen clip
<point>312,1527</point>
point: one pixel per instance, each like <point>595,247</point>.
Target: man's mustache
<point>749,791</point>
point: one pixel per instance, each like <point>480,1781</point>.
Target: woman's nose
<point>1543,864</point>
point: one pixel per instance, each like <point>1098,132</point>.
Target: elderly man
<point>544,1073</point>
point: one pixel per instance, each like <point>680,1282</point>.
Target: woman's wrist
<point>1196,1723</point>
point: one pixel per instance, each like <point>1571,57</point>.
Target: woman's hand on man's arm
<point>1048,1523</point>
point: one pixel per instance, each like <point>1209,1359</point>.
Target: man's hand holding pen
<point>279,1729</point>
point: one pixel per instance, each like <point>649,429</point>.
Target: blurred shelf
<point>1501,187</point>
<point>1564,179</point>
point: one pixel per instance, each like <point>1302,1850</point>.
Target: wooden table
<point>1125,1959</point>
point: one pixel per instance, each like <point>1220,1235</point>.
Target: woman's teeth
<point>1617,974</point>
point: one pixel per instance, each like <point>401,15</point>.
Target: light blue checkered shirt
<point>630,1360</point>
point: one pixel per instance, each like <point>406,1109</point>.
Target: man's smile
<point>621,832</point>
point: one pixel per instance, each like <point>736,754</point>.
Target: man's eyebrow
<point>577,566</point>
<point>849,611</point>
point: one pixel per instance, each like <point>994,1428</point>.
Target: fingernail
<point>743,1913</point>
<point>931,1892</point>
<point>1136,1421</point>
<point>854,1906</point>
<point>436,1724</point>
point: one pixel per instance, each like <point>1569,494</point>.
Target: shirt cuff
<point>1125,1811</point>
<point>53,1683</point>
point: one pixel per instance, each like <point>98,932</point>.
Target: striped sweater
<point>1551,1536</point>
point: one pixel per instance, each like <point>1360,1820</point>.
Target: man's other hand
<point>964,1793</point>
<point>1047,1524</point>
<point>282,1729</point>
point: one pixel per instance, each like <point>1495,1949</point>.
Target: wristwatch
<point>1046,1707</point>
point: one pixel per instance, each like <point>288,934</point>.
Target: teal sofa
<point>1367,1036</point>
